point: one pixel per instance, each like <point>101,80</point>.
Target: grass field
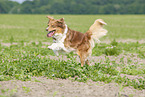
<point>32,27</point>
<point>30,56</point>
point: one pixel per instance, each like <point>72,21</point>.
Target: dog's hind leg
<point>89,52</point>
<point>83,56</point>
<point>87,62</point>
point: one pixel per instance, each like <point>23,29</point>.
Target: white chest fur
<point>59,43</point>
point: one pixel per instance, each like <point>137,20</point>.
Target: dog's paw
<point>49,47</point>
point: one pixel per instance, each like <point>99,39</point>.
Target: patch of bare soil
<point>43,87</point>
<point>9,44</point>
<point>124,41</point>
<point>103,41</point>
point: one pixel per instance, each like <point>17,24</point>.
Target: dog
<point>69,40</point>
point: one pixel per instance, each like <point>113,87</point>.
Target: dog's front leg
<point>55,48</point>
<point>56,52</point>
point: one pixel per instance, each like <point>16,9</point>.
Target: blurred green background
<point>32,27</point>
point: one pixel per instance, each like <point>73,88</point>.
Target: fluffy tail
<point>97,30</point>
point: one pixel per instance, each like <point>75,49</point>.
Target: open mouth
<point>51,33</point>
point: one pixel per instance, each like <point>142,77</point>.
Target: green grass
<point>115,48</point>
<point>25,61</point>
<point>22,62</point>
<point>32,27</point>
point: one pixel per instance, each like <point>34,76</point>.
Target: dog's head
<point>55,26</point>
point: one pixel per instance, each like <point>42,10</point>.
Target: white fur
<point>102,22</point>
<point>59,43</point>
<point>96,35</point>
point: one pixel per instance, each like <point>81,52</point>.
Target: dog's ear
<point>60,20</point>
<point>61,23</point>
<point>50,18</point>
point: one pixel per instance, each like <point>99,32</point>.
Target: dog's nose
<point>46,29</point>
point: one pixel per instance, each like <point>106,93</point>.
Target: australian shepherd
<point>68,40</point>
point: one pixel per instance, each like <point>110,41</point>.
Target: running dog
<point>69,40</point>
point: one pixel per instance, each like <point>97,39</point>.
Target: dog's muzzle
<point>51,33</point>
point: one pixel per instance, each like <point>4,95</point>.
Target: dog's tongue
<point>50,34</point>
